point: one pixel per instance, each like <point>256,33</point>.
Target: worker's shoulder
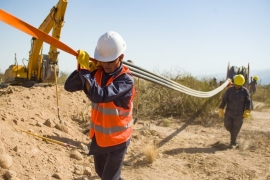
<point>123,74</point>
<point>244,88</point>
<point>126,77</point>
<point>231,88</point>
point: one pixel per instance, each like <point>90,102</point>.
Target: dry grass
<point>1,77</point>
<point>62,77</point>
<point>166,122</point>
<point>150,152</point>
<point>157,102</point>
<point>262,94</point>
<point>255,140</point>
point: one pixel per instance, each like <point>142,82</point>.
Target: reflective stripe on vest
<point>112,129</point>
<point>110,111</point>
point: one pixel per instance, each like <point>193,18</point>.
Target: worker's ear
<point>121,57</point>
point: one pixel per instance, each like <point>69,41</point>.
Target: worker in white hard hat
<point>252,87</point>
<point>110,87</point>
<point>237,102</point>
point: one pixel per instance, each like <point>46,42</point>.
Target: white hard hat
<point>109,47</point>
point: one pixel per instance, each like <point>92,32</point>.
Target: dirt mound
<point>183,151</point>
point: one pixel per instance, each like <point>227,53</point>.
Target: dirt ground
<point>184,150</point>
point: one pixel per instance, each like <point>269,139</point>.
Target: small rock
<point>91,159</point>
<point>87,171</point>
<point>49,123</point>
<point>39,124</point>
<point>62,127</point>
<point>5,161</point>
<point>16,149</point>
<point>10,174</point>
<point>78,170</point>
<point>10,91</point>
<point>57,176</point>
<point>15,121</point>
<point>76,155</point>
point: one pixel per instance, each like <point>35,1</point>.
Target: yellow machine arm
<point>40,67</point>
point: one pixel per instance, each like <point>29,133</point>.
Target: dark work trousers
<point>108,166</point>
<point>233,125</point>
<point>251,99</point>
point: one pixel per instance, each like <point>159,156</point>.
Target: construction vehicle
<point>233,70</point>
<point>41,68</point>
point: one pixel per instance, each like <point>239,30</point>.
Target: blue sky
<point>199,37</point>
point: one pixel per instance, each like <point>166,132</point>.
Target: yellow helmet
<point>256,78</point>
<point>239,80</point>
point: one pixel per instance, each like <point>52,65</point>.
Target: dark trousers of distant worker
<point>233,125</point>
<point>251,99</point>
<point>108,166</point>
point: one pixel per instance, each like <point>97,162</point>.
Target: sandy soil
<point>184,150</point>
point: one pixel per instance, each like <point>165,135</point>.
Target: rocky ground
<point>184,150</point>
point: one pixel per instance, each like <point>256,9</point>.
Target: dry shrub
<point>62,77</point>
<point>158,102</point>
<point>2,75</point>
<point>262,94</point>
<point>208,122</point>
<point>254,140</point>
<point>166,122</point>
<point>150,152</point>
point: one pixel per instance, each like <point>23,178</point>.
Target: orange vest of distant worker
<point>111,125</point>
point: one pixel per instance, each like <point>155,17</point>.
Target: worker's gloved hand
<point>246,114</point>
<point>83,60</point>
<point>94,65</point>
<point>221,112</point>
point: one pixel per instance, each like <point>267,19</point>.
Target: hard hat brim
<point>108,58</point>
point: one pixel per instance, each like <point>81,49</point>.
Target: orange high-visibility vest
<point>110,124</point>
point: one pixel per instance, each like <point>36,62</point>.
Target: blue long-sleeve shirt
<point>119,92</point>
<point>236,101</point>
